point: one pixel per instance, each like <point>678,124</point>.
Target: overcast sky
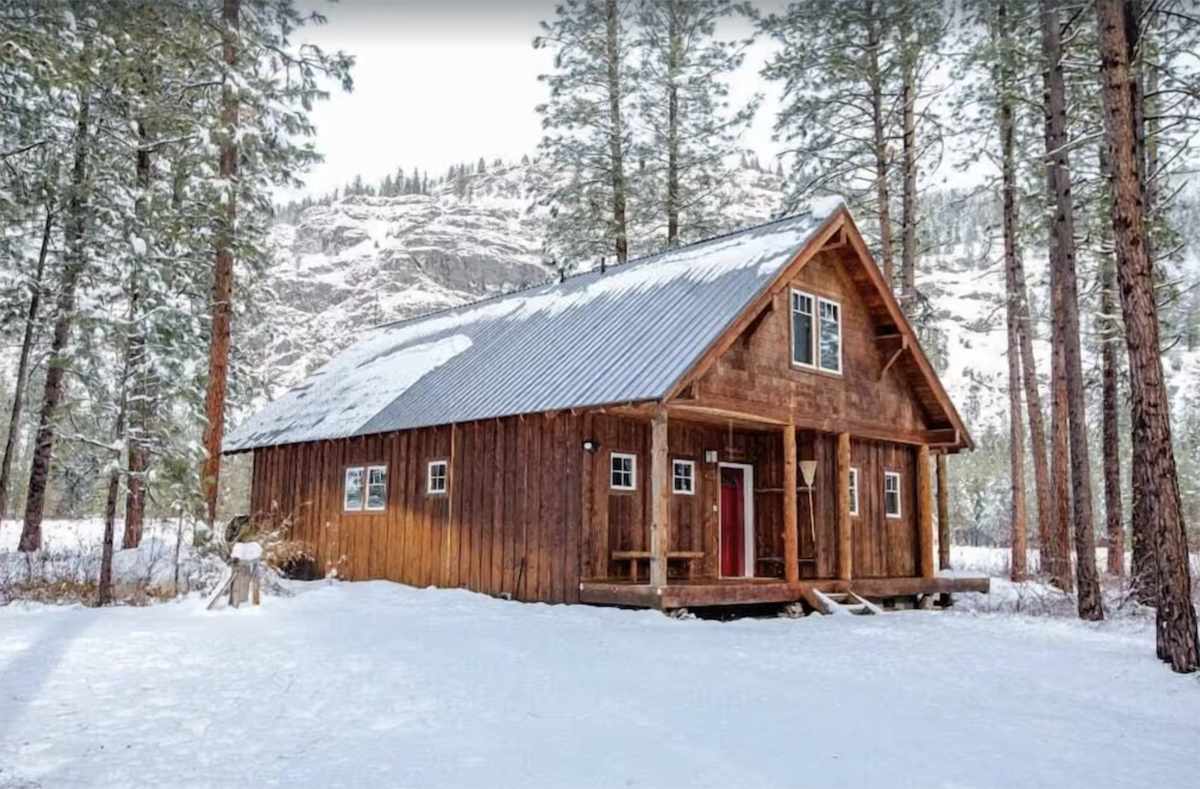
<point>444,81</point>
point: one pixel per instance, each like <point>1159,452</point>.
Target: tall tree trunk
<point>1176,617</point>
<point>617,130</point>
<point>675,45</point>
<point>882,196</point>
<point>1037,427</point>
<point>105,593</point>
<point>1063,266</point>
<point>1109,330</point>
<point>1063,271</point>
<point>1016,423</point>
<point>139,411</point>
<point>218,358</point>
<point>908,250</point>
<point>1059,566</point>
<point>52,394</point>
<point>1144,564</point>
<point>14,424</point>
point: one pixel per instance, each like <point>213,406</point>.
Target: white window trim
<point>899,497</point>
<point>691,477</point>
<point>367,488</point>
<point>817,301</point>
<point>854,488</point>
<point>817,335</point>
<point>346,489</point>
<point>792,328</point>
<point>632,470</point>
<point>445,475</point>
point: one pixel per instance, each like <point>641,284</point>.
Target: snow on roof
<point>623,335</point>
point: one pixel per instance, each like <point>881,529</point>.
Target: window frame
<point>690,477</point>
<point>430,477</point>
<point>854,477</point>
<point>817,336</point>
<point>367,487</point>
<point>362,488</point>
<point>632,458</point>
<point>794,292</point>
<point>899,513</point>
<point>815,349</point>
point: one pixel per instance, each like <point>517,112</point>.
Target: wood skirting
<point>764,591</point>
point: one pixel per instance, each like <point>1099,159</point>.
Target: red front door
<point>733,522</point>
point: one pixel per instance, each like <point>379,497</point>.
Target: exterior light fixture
<point>710,456</point>
<point>590,445</point>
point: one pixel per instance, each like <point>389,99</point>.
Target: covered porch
<point>770,515</point>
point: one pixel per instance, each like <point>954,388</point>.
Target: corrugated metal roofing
<point>624,335</point>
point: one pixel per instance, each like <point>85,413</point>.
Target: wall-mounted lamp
<point>710,456</point>
<point>590,445</point>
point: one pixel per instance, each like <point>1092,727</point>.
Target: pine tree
<point>684,105</point>
<point>587,133</point>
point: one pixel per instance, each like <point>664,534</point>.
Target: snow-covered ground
<point>376,684</point>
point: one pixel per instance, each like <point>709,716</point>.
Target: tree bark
<point>18,405</point>
<point>139,411</point>
<point>673,65</point>
<point>218,358</point>
<point>1019,569</point>
<point>1063,265</point>
<point>105,594</point>
<point>908,250</point>
<point>52,393</point>
<point>1176,617</point>
<point>617,131</point>
<point>882,196</point>
<point>1110,331</point>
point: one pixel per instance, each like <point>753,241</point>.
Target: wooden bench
<point>633,557</point>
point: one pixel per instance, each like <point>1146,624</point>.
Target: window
<point>624,471</point>
<point>831,336</point>
<point>853,491</point>
<point>819,345</point>
<point>683,477</point>
<point>436,479</point>
<point>891,494</point>
<point>802,329</point>
<point>352,497</point>
<point>376,488</point>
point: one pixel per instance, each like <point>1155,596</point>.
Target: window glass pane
<point>802,329</point>
<point>891,493</point>
<point>354,489</point>
<point>376,487</point>
<point>831,336</point>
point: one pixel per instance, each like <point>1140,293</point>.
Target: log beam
<point>943,513</point>
<point>791,529</point>
<point>925,511</point>
<point>845,530</point>
<point>660,493</point>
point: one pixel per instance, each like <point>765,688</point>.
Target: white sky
<point>442,82</point>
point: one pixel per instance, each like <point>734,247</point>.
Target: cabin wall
<point>620,520</point>
<point>757,370</point>
<point>508,523</point>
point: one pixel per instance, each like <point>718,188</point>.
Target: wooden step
<point>835,603</point>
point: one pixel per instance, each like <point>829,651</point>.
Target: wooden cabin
<point>744,420</point>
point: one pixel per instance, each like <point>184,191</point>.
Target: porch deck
<point>714,592</point>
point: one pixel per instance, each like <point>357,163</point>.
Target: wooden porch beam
<point>660,493</point>
<point>892,359</point>
<point>943,510</point>
<point>845,531</point>
<point>791,529</point>
<point>925,512</point>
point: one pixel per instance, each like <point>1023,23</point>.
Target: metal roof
<point>623,335</point>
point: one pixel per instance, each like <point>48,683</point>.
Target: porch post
<point>845,530</point>
<point>943,511</point>
<point>791,532</point>
<point>660,493</point>
<point>925,512</point>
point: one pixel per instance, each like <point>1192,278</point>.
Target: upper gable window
<point>816,332</point>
